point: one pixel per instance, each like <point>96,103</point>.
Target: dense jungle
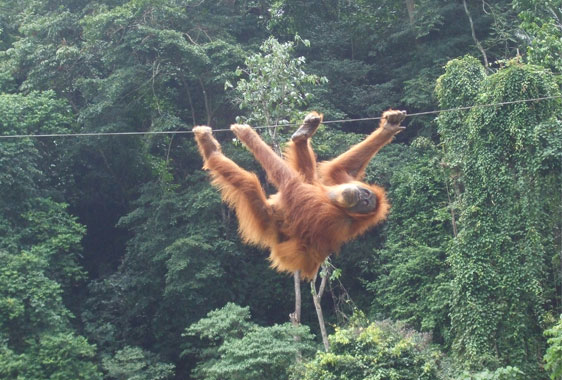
<point>118,259</point>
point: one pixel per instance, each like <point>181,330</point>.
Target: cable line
<point>269,126</point>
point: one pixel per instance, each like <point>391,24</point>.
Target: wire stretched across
<point>271,126</point>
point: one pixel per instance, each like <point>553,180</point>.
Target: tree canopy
<point>119,260</point>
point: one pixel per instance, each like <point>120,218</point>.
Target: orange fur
<point>301,158</point>
<point>299,154</point>
<point>300,224</point>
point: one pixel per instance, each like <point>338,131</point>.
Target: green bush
<point>553,356</point>
<point>378,350</point>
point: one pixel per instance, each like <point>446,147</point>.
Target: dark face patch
<point>365,203</point>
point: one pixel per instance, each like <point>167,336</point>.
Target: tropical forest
<point>122,259</point>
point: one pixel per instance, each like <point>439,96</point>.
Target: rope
<point>271,126</point>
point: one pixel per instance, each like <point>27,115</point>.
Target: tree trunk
<point>189,99</point>
<point>206,100</point>
<point>295,316</point>
<point>478,45</point>
<point>451,208</point>
<point>317,298</point>
<point>410,6</point>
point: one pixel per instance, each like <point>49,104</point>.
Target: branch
<point>324,280</point>
<point>319,314</point>
<point>206,101</point>
<point>478,45</point>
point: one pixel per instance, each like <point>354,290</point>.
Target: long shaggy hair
<point>301,225</point>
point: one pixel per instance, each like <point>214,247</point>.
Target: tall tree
<point>40,247</point>
<point>500,255</point>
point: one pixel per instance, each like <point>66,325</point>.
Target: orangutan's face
<point>354,197</point>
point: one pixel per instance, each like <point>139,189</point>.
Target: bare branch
<point>478,45</point>
<point>326,275</point>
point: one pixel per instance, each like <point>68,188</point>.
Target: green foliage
<point>503,373</point>
<point>28,164</point>
<point>137,219</point>
<point>263,353</point>
<point>56,236</point>
<point>553,355</point>
<point>412,278</point>
<point>231,321</point>
<point>542,21</point>
<point>40,248</point>
<point>238,349</point>
<point>37,340</point>
<point>10,362</point>
<point>377,350</point>
<point>274,83</point>
<point>30,301</point>
<point>134,363</point>
<point>31,219</point>
<point>461,84</point>
<point>175,263</point>
<point>459,87</point>
<point>378,55</point>
<point>37,112</point>
<point>503,243</point>
<point>162,268</point>
<point>60,356</point>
